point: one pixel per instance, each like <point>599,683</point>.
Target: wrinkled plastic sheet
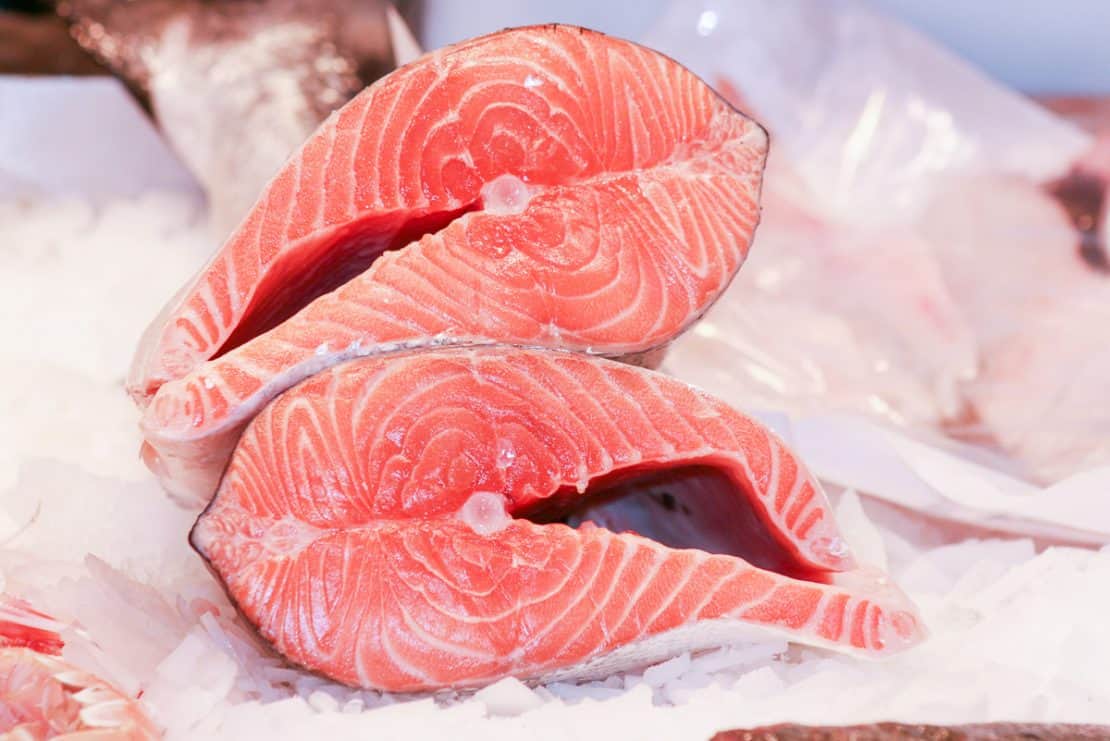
<point>913,304</point>
<point>871,115</point>
<point>946,484</point>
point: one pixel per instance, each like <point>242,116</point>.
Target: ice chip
<point>508,697</point>
<point>484,512</point>
<point>322,702</point>
<point>660,674</point>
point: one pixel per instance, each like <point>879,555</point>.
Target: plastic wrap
<point>914,262</point>
<point>871,115</point>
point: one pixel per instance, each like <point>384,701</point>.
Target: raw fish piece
<point>938,280</point>
<point>872,114</point>
<point>403,523</point>
<point>237,87</point>
<point>21,626</point>
<point>546,186</point>
<point>43,697</point>
<point>1012,257</point>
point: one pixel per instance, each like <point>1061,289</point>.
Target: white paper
<point>890,465</point>
<point>81,135</point>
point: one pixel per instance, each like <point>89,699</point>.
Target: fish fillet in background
<point>406,522</point>
<point>829,317</point>
<point>543,186</point>
<point>44,697</point>
<point>1041,310</point>
<point>237,87</point>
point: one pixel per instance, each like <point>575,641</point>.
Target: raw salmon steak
<point>408,522</point>
<point>545,186</point>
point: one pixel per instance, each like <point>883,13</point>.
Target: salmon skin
<point>401,523</point>
<point>546,186</point>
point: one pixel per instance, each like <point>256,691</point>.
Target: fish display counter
<point>745,379</point>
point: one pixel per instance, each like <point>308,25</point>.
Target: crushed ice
<point>484,512</point>
<point>508,697</point>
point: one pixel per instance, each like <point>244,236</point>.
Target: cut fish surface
<point>404,523</point>
<point>542,186</point>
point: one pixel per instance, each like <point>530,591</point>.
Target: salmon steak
<point>546,186</point>
<point>444,518</point>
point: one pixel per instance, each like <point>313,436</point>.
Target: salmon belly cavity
<point>396,386</point>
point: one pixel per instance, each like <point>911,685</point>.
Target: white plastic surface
<point>86,135</point>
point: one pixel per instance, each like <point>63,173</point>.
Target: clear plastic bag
<point>912,262</point>
<point>868,113</point>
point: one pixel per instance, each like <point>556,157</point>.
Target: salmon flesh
<point>407,523</point>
